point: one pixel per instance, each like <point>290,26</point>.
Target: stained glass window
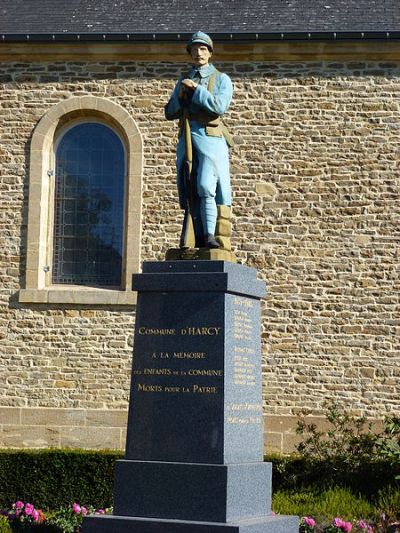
<point>89,206</point>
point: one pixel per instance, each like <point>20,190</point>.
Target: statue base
<point>202,254</point>
<point>194,447</point>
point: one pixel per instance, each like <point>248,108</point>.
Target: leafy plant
<point>348,452</point>
<point>69,519</point>
<point>348,440</point>
<point>388,443</point>
<point>24,517</point>
<point>4,525</point>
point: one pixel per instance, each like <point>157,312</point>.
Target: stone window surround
<point>38,288</point>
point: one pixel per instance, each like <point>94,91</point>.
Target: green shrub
<point>295,473</point>
<point>388,442</point>
<point>348,454</point>
<point>56,478</point>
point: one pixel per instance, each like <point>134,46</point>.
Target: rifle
<point>188,239</point>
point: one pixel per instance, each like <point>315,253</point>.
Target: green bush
<point>388,442</point>
<point>296,473</point>
<point>348,454</point>
<point>56,478</point>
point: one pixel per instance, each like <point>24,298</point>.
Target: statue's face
<point>200,54</point>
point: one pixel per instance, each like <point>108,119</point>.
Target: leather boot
<point>211,242</point>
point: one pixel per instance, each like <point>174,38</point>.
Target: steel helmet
<point>201,38</point>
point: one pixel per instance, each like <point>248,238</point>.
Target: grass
<point>328,503</point>
<point>337,501</point>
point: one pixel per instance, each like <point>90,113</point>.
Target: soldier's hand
<point>182,92</point>
<point>189,84</point>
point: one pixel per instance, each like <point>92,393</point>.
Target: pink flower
<point>19,504</point>
<point>309,521</point>
<point>100,511</point>
<point>362,524</point>
<point>29,508</point>
<point>338,522</point>
<point>35,515</point>
<point>76,508</point>
<point>341,524</point>
<point>84,511</point>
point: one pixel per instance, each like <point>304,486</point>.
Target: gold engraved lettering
<point>141,387</point>
<point>197,372</point>
<point>157,372</point>
<point>204,390</point>
<point>189,355</point>
<point>172,389</point>
<point>210,331</point>
<point>156,331</point>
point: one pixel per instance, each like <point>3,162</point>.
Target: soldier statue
<point>200,98</point>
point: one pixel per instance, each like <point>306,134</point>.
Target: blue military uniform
<point>211,154</point>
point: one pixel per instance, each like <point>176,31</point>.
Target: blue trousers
<point>211,168</point>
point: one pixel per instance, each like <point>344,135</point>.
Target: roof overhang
<point>241,37</point>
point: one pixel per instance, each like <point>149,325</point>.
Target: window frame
<point>38,283</point>
<point>58,137</point>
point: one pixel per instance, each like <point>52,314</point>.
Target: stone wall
<point>316,210</point>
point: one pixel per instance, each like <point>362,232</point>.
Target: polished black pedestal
<point>194,453</point>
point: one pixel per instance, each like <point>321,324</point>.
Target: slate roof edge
<point>238,37</point>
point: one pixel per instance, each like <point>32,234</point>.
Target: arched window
<point>84,211</point>
<point>89,206</point>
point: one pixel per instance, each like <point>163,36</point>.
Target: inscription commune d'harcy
<point>166,368</point>
<point>176,364</point>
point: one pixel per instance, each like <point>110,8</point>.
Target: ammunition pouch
<point>212,123</point>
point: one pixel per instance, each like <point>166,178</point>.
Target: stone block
<point>107,419</point>
<point>196,377</point>
<point>171,490</point>
<point>52,417</point>
<point>90,437</point>
<point>29,437</point>
<point>10,415</point>
<point>273,442</point>
<point>120,524</point>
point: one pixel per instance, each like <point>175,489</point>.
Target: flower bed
<point>310,525</point>
<point>24,517</point>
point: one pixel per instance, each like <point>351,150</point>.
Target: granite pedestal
<point>194,452</point>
